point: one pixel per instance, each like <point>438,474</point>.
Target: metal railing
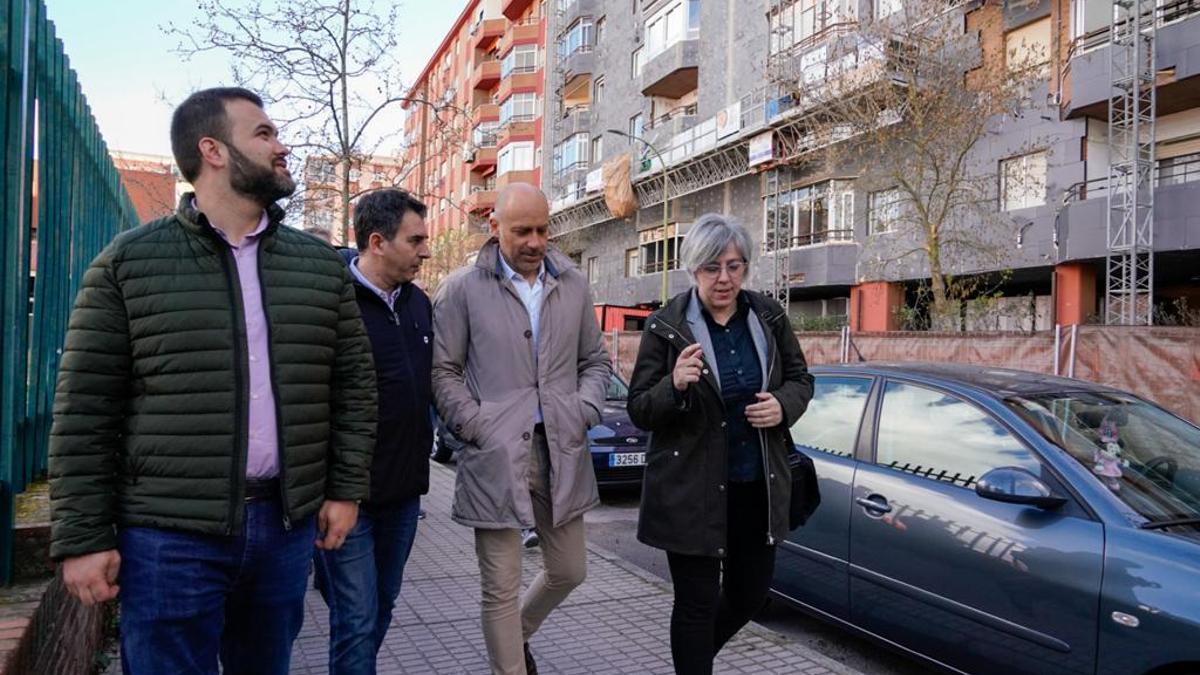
<point>1177,171</point>
<point>80,205</point>
<point>782,242</point>
<point>1164,13</point>
<point>665,118</point>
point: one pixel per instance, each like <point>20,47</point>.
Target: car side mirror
<point>1015,485</point>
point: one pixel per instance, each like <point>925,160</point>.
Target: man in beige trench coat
<point>519,374</point>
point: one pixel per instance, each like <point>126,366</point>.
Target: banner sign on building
<point>762,148</point>
<point>595,180</point>
<point>729,120</point>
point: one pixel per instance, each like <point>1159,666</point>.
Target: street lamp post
<point>666,204</point>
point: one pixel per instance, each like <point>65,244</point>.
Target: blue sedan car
<point>997,521</point>
<point>618,448</point>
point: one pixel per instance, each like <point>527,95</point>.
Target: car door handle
<point>874,503</point>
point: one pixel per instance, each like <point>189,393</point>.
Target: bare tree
<point>907,104</point>
<point>326,68</point>
<point>451,249</point>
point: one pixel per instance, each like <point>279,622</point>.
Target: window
<point>883,211</point>
<point>814,214</point>
<point>515,157</point>
<point>831,422</point>
<point>1089,16</point>
<point>800,20</point>
<point>886,8</point>
<point>631,262</point>
<point>636,125</point>
<point>579,37</point>
<point>484,135</point>
<point>1179,170</point>
<point>635,63</point>
<point>593,269</point>
<point>651,253</point>
<point>674,21</point>
<point>597,90</point>
<point>571,154</point>
<point>1028,48</point>
<point>520,59</point>
<point>931,434</point>
<point>520,107</point>
<point>599,30</point>
<point>597,149</point>
<point>1023,181</point>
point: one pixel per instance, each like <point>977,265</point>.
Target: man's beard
<point>259,183</point>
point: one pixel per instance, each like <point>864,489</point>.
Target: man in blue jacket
<point>361,580</point>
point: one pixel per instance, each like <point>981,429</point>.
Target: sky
<point>132,78</point>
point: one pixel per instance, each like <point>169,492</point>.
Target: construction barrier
<point>61,201</point>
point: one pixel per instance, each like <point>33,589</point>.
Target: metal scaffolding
<point>776,245</point>
<point>1129,291</point>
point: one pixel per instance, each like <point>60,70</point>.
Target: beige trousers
<point>510,618</point>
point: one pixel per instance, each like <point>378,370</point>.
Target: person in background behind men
<point>361,580</point>
<point>215,411</point>
<point>519,374</point>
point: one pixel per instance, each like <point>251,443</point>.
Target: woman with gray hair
<point>719,380</point>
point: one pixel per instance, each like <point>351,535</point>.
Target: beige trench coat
<point>488,387</point>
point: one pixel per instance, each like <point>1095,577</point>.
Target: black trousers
<point>714,598</point>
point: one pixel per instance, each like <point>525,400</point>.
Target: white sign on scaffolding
<point>762,148</point>
<point>729,120</point>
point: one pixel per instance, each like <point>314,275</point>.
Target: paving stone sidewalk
<point>616,622</point>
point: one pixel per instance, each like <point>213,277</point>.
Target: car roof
<point>1000,382</point>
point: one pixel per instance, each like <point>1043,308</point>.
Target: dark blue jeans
<point>188,598</point>
<point>361,581</point>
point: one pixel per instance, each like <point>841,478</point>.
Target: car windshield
<point>1143,454</point>
<point>617,390</point>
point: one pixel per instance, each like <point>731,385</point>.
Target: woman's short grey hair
<point>710,235</point>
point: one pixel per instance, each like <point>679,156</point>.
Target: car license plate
<point>627,459</point>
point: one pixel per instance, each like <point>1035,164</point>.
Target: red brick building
<point>474,123</point>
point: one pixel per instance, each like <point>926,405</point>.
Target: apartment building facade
<point>699,80</point>
<point>474,122</point>
<point>325,177</point>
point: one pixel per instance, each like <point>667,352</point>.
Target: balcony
<point>575,9</point>
<point>525,32</point>
<point>510,177</point>
<point>515,130</point>
<point>480,201</point>
<point>488,112</point>
<point>577,119</point>
<point>661,130</point>
<point>513,9</point>
<point>1086,80</point>
<point>674,71</point>
<point>1082,229</point>
<point>517,81</point>
<point>580,62</point>
<point>486,74</point>
<point>484,32</point>
<point>484,160</point>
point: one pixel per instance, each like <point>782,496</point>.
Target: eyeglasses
<point>713,270</point>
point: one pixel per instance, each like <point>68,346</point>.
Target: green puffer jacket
<point>150,413</point>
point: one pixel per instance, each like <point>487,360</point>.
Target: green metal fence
<point>51,147</point>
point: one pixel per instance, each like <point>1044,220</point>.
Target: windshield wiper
<point>1160,524</point>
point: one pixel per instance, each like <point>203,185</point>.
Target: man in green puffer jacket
<point>215,410</point>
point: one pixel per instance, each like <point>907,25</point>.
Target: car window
<point>1147,457</point>
<point>831,422</point>
<point>617,391</point>
<point>935,435</point>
